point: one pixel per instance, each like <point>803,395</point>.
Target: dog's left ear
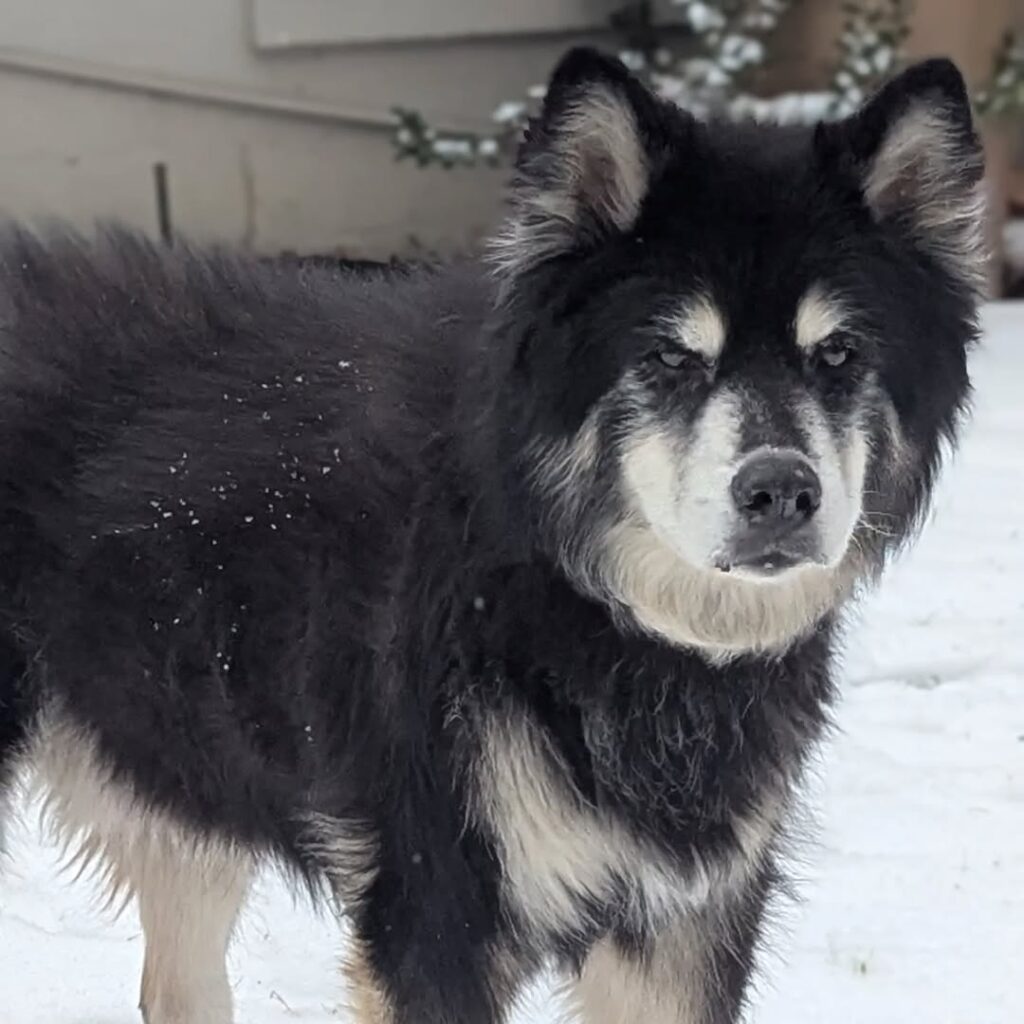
<point>584,167</point>
<point>919,163</point>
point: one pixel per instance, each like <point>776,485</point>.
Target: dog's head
<point>733,351</point>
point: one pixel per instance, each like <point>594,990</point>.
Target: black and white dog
<point>496,604</point>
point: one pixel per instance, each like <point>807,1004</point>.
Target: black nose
<point>775,489</point>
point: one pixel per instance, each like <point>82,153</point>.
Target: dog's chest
<point>570,865</point>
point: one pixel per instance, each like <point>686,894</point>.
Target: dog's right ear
<point>918,162</point>
<point>584,167</point>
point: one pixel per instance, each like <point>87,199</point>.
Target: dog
<point>497,603</point>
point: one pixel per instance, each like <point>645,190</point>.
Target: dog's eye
<point>835,352</point>
<point>671,356</point>
<point>667,352</point>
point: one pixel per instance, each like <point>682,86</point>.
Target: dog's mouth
<point>765,554</point>
<point>769,563</point>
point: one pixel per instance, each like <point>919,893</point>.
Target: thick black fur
<point>267,533</point>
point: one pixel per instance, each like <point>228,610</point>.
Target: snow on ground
<point>914,892</point>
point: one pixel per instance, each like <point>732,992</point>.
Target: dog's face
<point>734,351</point>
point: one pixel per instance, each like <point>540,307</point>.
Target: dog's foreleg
<point>694,971</point>
<point>189,886</point>
<point>189,900</point>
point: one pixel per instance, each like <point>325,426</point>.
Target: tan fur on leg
<point>188,906</point>
<point>366,999</point>
<point>665,987</point>
<point>189,887</point>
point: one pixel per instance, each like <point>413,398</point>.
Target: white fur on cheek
<point>650,468</point>
<point>683,490</point>
<point>841,473</point>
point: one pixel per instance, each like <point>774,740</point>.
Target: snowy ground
<point>915,892</point>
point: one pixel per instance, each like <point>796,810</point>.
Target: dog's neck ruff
<point>712,613</point>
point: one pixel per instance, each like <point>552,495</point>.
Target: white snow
<point>703,17</point>
<point>786,108</point>
<point>453,147</point>
<point>509,112</point>
<point>1013,243</point>
<point>738,50</point>
<point>914,892</point>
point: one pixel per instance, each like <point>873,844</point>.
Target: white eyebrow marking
<point>818,316</point>
<point>697,325</point>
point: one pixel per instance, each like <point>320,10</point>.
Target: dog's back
<point>185,496</point>
<point>204,464</point>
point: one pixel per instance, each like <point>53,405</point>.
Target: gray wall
<point>270,114</point>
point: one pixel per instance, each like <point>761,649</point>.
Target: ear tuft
<point>920,165</point>
<point>583,169</point>
<point>581,66</point>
